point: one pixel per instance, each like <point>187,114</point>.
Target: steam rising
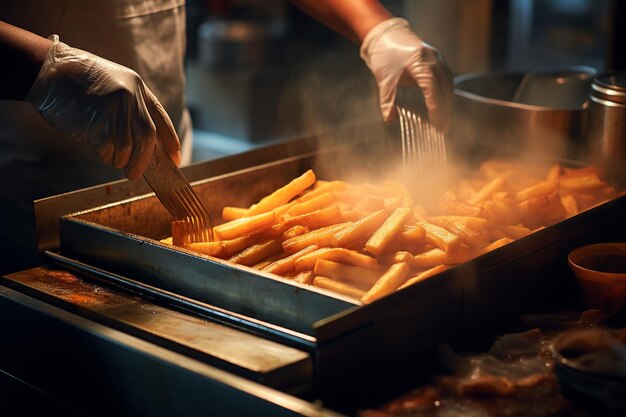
<point>337,98</point>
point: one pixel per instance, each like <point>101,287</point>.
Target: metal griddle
<point>118,243</point>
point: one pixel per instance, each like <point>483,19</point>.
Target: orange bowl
<point>600,271</point>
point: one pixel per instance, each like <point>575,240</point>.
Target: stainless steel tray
<point>348,341</point>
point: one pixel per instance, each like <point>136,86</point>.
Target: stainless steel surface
<point>607,125</point>
<point>175,193</point>
<point>233,350</point>
<point>549,114</point>
<point>97,370</point>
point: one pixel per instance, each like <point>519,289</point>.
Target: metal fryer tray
<point>122,239</point>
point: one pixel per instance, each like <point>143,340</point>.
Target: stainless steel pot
<point>543,111</point>
<point>607,125</point>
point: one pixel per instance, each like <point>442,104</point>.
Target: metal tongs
<point>423,146</point>
<point>175,193</point>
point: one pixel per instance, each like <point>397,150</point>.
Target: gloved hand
<point>390,49</point>
<point>105,104</point>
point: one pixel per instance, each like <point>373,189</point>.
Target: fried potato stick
<point>285,265</point>
<point>436,256</point>
<point>440,237</point>
<point>232,213</point>
<point>305,277</point>
<point>341,255</point>
<point>582,184</point>
<point>206,248</point>
<point>315,203</point>
<point>316,219</point>
<point>359,277</point>
<point>244,226</point>
<point>424,275</point>
<point>339,287</point>
<point>328,187</point>
<point>388,230</point>
<point>390,281</point>
<point>284,194</point>
<point>257,252</point>
<point>488,189</point>
<point>495,245</point>
<point>320,237</point>
<point>360,229</point>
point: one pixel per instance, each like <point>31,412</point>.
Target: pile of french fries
<point>366,241</point>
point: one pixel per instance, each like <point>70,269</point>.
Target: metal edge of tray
<point>181,303</point>
<point>235,288</point>
<point>235,350</point>
<point>126,375</point>
<point>48,210</point>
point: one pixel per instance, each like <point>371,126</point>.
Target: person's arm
<point>23,53</point>
<point>351,18</point>
<point>87,97</point>
<point>391,50</point>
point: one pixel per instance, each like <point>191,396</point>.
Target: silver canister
<point>607,125</point>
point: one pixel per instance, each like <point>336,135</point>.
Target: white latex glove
<point>391,49</point>
<point>105,104</point>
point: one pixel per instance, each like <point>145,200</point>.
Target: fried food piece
<point>495,245</point>
<point>322,187</point>
<point>283,194</point>
<point>305,277</point>
<point>516,231</point>
<point>361,278</point>
<point>488,189</point>
<point>398,257</point>
<point>542,188</point>
<point>338,287</point>
<point>449,204</point>
<point>285,265</point>
<point>206,248</point>
<point>321,237</point>
<point>388,230</point>
<point>541,210</point>
<point>232,213</point>
<point>475,223</point>
<point>312,204</point>
<point>316,219</point>
<point>244,226</point>
<point>585,183</point>
<point>257,252</point>
<point>360,229</point>
<point>341,255</point>
<point>472,238</point>
<point>424,275</point>
<point>440,237</point>
<point>436,256</point>
<point>180,232</point>
<point>570,205</point>
<point>412,234</point>
<point>391,280</point>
